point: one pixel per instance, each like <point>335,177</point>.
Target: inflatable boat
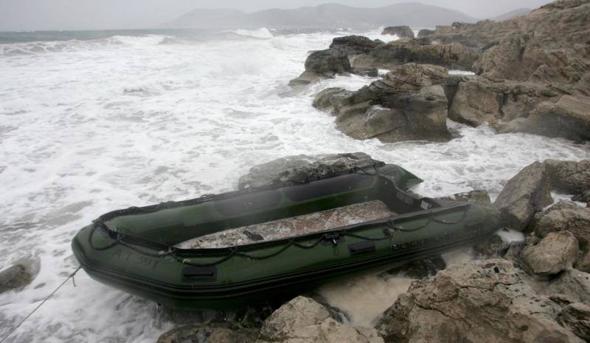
<point>245,247</point>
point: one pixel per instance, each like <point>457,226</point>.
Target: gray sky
<point>120,14</point>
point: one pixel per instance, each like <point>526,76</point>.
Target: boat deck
<point>293,226</point>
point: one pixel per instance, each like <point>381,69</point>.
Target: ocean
<point>95,121</point>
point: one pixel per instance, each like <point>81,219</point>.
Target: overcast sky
<point>121,14</point>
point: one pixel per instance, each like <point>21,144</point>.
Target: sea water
<point>92,122</point>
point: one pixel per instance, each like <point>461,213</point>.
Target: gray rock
<point>299,169</point>
<point>409,103</point>
<point>583,262</point>
<point>583,197</point>
<point>569,177</point>
<point>576,317</point>
<point>425,33</point>
<point>400,31</point>
<point>387,56</point>
<point>354,45</point>
<point>210,333</point>
<point>323,64</point>
<point>19,274</point>
<point>525,194</point>
<point>568,118</point>
<point>565,216</point>
<point>492,247</point>
<point>305,320</point>
<point>553,254</point>
<point>481,301</point>
<point>572,284</point>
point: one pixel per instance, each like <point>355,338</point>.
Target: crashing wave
<point>261,33</point>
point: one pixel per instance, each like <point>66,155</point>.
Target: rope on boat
<point>71,276</point>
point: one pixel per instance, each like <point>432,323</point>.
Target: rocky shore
<point>531,74</point>
<point>536,290</point>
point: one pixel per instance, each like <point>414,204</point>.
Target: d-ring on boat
<point>243,247</point>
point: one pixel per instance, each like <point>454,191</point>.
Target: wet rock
<point>299,169</point>
<point>525,194</point>
<point>568,118</point>
<point>425,33</point>
<point>576,317</point>
<point>409,103</point>
<point>387,56</point>
<point>569,177</point>
<point>482,301</point>
<point>354,45</point>
<point>583,197</point>
<point>323,64</point>
<point>479,100</point>
<point>563,216</point>
<point>19,274</point>
<point>305,320</point>
<point>210,333</point>
<point>553,254</point>
<point>400,31</point>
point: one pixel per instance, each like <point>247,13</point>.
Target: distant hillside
<point>328,16</point>
<point>512,14</point>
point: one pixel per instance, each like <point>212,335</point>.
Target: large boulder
<point>387,56</point>
<point>305,320</point>
<point>400,31</point>
<point>323,64</point>
<point>293,170</point>
<point>552,255</point>
<point>19,274</point>
<point>568,118</point>
<point>479,100</point>
<point>564,216</point>
<point>299,169</point>
<point>482,301</point>
<point>409,103</point>
<point>524,195</point>
<point>570,177</point>
<point>354,45</point>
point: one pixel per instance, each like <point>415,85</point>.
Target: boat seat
<point>293,226</point>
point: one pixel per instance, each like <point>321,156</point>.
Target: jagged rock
<point>576,317</point>
<point>332,99</point>
<point>482,301</point>
<point>387,56</point>
<point>210,333</point>
<point>553,254</point>
<point>19,274</point>
<point>564,216</point>
<point>568,118</point>
<point>305,320</point>
<point>525,194</point>
<point>302,168</point>
<point>354,45</point>
<point>572,284</point>
<point>479,100</point>
<point>323,64</point>
<point>425,33</point>
<point>409,103</point>
<point>400,31</point>
<point>569,177</point>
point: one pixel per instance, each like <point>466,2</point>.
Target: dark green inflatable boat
<point>244,247</point>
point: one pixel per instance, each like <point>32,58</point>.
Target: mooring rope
<point>71,276</point>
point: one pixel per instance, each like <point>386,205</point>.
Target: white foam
<point>261,33</point>
<point>131,123</point>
